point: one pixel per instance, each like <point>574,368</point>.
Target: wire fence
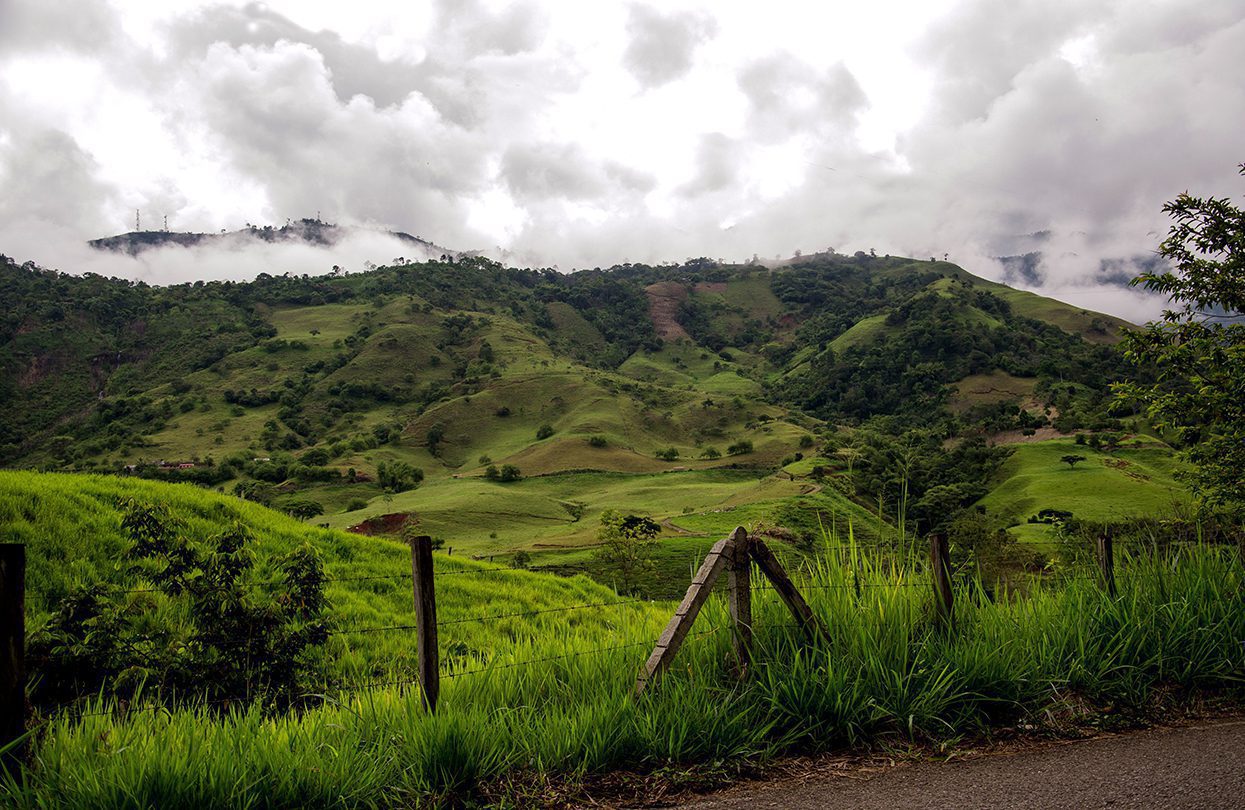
<point>917,577</point>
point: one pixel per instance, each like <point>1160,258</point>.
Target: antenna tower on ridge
<point>137,223</point>
<point>166,223</point>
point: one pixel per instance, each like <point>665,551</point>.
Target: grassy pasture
<point>864,331</point>
<point>1066,316</point>
<point>564,709</point>
<point>1134,481</point>
<point>996,386</point>
<point>71,526</point>
<point>532,513</point>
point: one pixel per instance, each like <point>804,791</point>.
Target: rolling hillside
<point>1135,480</point>
<point>404,390</point>
<point>71,527</point>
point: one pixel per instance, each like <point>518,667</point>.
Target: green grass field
<point>558,705</point>
<point>71,526</point>
<point>1134,481</point>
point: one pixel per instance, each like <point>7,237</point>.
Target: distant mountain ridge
<point>309,231</point>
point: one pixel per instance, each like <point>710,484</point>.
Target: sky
<point>585,134</point>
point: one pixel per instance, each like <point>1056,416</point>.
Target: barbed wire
<point>1082,570</point>
<point>491,617</point>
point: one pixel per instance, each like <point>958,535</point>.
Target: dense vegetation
<point>1198,347</point>
<point>314,394</point>
<point>564,711</point>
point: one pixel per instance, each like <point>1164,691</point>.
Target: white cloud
<point>581,134</point>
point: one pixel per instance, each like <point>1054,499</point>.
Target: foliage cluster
<point>886,670</point>
<point>239,638</point>
<point>627,545</point>
<point>1198,347</point>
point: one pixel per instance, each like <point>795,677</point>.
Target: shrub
<point>597,441</point>
<point>740,448</point>
<point>302,508</point>
<point>711,453</point>
<point>435,434</point>
<point>398,476</point>
<point>668,454</point>
<point>355,505</point>
<point>509,473</point>
<point>491,473</point>
<point>230,644</point>
<point>627,546</point>
<point>316,457</point>
<point>544,432</point>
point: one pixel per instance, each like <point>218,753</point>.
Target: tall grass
<point>888,668</point>
<point>71,527</point>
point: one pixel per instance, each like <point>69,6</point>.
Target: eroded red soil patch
<point>382,524</point>
<point>664,299</point>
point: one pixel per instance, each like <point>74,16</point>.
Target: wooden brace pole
<point>1106,562</point>
<point>425,621</point>
<point>940,571</point>
<point>787,591</point>
<point>740,599</point>
<point>677,629</point>
<point>12,646</point>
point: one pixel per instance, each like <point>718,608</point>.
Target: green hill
<point>71,526</point>
<point>342,398</point>
<point>1135,480</point>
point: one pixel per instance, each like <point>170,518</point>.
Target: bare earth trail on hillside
<point>1173,768</point>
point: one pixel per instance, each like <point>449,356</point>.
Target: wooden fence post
<point>425,620</point>
<point>667,646</point>
<point>12,646</point>
<point>787,591</point>
<point>740,599</point>
<point>1106,562</point>
<point>940,572</point>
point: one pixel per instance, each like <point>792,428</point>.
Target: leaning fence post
<point>773,570</point>
<point>12,645</point>
<point>739,579</point>
<point>940,572</point>
<point>668,643</point>
<point>425,620</point>
<point>1106,562</point>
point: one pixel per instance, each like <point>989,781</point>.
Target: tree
<point>1197,348</point>
<point>398,476</point>
<point>435,434</point>
<point>627,546</point>
<point>740,448</point>
<point>1071,460</point>
<point>303,508</point>
<point>544,432</point>
<point>509,473</point>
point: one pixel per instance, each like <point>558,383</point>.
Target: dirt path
<point>1194,767</point>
